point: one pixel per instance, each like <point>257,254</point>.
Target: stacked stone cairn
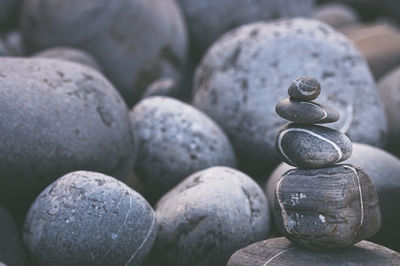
<point>320,204</point>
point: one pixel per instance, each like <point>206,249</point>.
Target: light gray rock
<point>337,15</point>
<point>280,251</point>
<point>247,71</point>
<point>389,91</point>
<point>208,19</point>
<point>57,117</point>
<point>305,88</point>
<point>208,216</point>
<point>11,248</point>
<point>175,140</point>
<point>87,218</point>
<point>311,146</point>
<point>326,208</point>
<point>70,54</point>
<point>137,42</point>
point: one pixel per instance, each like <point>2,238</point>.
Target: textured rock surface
<point>326,208</point>
<point>208,216</point>
<point>217,17</point>
<point>175,140</point>
<point>136,42</point>
<point>303,112</point>
<point>244,75</point>
<point>57,117</point>
<point>87,218</point>
<point>11,248</point>
<point>389,91</point>
<point>280,251</point>
<point>310,146</point>
<point>70,54</point>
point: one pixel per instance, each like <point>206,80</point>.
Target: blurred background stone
<point>336,14</point>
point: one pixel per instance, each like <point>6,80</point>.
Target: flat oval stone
<point>280,251</point>
<point>310,146</point>
<point>305,112</point>
<point>305,88</point>
<point>326,208</point>
<point>87,218</point>
<point>208,216</point>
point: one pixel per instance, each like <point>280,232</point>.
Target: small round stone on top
<point>305,88</point>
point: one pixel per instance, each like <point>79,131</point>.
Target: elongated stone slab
<point>310,146</point>
<point>326,208</point>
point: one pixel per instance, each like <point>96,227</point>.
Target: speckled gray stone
<point>326,208</point>
<point>305,88</point>
<point>247,71</point>
<point>11,248</point>
<point>208,19</point>
<point>87,218</point>
<point>337,15</point>
<point>70,54</point>
<point>208,216</point>
<point>136,42</point>
<point>280,251</point>
<point>175,140</point>
<point>162,87</point>
<point>310,146</point>
<point>305,112</point>
<point>57,117</point>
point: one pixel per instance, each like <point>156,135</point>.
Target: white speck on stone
<point>302,196</point>
<point>114,236</point>
<point>67,221</point>
<point>322,218</point>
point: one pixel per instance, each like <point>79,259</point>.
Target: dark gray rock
<point>70,54</point>
<point>175,140</point>
<point>137,42</point>
<point>162,87</point>
<point>8,12</point>
<point>208,19</point>
<point>389,91</point>
<point>305,88</point>
<point>310,146</point>
<point>326,208</point>
<point>305,112</point>
<point>383,168</point>
<point>87,218</point>
<point>57,117</point>
<point>208,216</point>
<point>247,71</point>
<point>11,248</point>
<point>336,14</point>
<point>280,251</point>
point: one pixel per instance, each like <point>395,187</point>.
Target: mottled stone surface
<point>175,140</point>
<point>87,218</point>
<point>305,88</point>
<point>304,112</point>
<point>337,15</point>
<point>208,19</point>
<point>310,146</point>
<point>280,251</point>
<point>136,42</point>
<point>326,208</point>
<point>70,54</point>
<point>11,248</point>
<point>208,216</point>
<point>247,71</point>
<point>57,117</point>
<point>389,91</point>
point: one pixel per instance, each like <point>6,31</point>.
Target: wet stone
<point>311,146</point>
<point>305,88</point>
<point>305,112</point>
<point>326,208</point>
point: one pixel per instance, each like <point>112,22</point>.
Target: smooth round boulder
<point>310,146</point>
<point>217,17</point>
<point>175,140</point>
<point>87,218</point>
<point>280,251</point>
<point>11,248</point>
<point>57,117</point>
<point>305,88</point>
<point>208,216</point>
<point>304,112</point>
<point>70,54</point>
<point>248,70</point>
<point>389,91</point>
<point>136,41</point>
